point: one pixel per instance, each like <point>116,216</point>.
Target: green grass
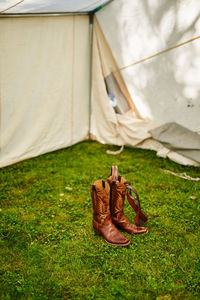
<point>48,249</point>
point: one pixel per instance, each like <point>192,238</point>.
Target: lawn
<point>48,248</point>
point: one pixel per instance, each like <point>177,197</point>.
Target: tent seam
<point>11,6</point>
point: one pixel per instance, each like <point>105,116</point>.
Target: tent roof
<point>49,6</point>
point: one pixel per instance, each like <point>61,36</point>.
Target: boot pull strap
<point>134,201</point>
<point>114,171</point>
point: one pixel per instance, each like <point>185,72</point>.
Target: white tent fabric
<point>165,88</point>
<point>42,106</point>
<point>126,129</point>
<point>41,6</point>
<point>146,51</point>
<point>107,126</point>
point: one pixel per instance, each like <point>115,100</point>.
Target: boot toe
<point>113,236</point>
<point>140,230</point>
<point>117,240</point>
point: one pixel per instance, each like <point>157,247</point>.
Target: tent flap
<point>107,126</point>
<point>178,138</point>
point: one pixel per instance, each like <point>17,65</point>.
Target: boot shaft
<point>100,194</point>
<point>117,193</point>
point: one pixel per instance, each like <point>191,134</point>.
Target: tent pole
<point>90,80</point>
<point>91,15</point>
<point>45,14</point>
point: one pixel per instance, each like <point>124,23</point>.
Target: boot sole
<point>120,228</point>
<point>113,244</point>
<point>118,245</point>
<point>144,232</point>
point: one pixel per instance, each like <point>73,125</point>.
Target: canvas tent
<point>59,61</point>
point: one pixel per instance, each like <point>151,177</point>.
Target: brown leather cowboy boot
<point>118,186</point>
<point>102,222</point>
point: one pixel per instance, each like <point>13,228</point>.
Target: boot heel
<point>96,231</point>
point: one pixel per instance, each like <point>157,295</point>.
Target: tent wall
<point>44,85</point>
<point>45,76</point>
<point>134,127</point>
<point>165,88</point>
